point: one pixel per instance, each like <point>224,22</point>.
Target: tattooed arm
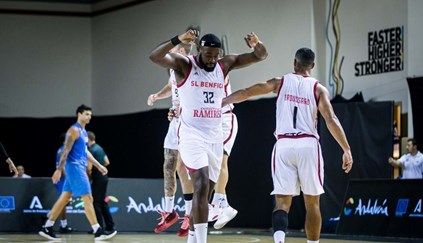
<point>71,135</point>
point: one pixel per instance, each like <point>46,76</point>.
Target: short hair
<point>210,40</point>
<point>82,108</point>
<point>91,136</point>
<point>187,47</point>
<point>305,57</point>
<point>413,141</point>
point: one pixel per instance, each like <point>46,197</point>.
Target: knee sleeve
<point>279,220</point>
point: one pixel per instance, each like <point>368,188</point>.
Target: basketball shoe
<point>100,234</point>
<point>214,212</point>
<point>48,233</point>
<point>227,215</point>
<point>183,231</point>
<point>166,220</point>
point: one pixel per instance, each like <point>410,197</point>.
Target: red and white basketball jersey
<point>296,107</point>
<point>201,95</point>
<point>175,95</point>
<point>228,91</point>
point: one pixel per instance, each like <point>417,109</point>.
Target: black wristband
<point>175,41</point>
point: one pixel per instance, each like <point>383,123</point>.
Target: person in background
<point>410,163</point>
<point>21,172</point>
<point>99,185</point>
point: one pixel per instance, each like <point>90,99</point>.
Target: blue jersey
<point>78,153</point>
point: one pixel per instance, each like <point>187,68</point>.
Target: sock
<point>224,202</point>
<point>64,223</point>
<point>216,199</point>
<point>49,223</point>
<point>169,203</point>
<point>201,232</point>
<point>312,241</point>
<point>49,214</point>
<point>188,207</point>
<point>191,237</point>
<point>280,224</point>
<point>188,203</point>
<point>279,236</point>
<point>95,227</point>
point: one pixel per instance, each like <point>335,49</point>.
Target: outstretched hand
<point>151,99</point>
<point>251,40</point>
<point>347,161</point>
<point>13,169</point>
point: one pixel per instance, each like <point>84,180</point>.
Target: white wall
<point>123,40</point>
<point>45,65</point>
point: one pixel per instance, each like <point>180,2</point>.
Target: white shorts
<point>297,163</point>
<point>171,139</point>
<point>230,130</point>
<point>197,153</point>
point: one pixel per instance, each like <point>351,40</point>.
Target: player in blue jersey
<point>74,159</point>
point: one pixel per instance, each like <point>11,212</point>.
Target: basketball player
<point>200,80</point>
<point>224,212</point>
<point>172,162</point>
<point>4,156</point>
<point>74,158</point>
<point>297,162</point>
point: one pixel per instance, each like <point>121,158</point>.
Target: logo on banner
<point>417,212</point>
<point>347,210</point>
<point>35,206</point>
<point>402,206</point>
<point>370,208</point>
<point>75,206</point>
<point>385,52</point>
<point>150,206</point>
<point>7,203</point>
<point>113,199</point>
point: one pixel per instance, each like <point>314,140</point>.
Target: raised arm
<point>334,126</point>
<point>164,93</point>
<point>9,161</point>
<point>241,95</point>
<point>259,53</point>
<point>161,56</point>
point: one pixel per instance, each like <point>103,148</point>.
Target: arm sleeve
<point>3,154</point>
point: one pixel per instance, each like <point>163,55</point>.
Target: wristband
<point>175,41</point>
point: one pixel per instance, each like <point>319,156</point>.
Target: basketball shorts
<point>77,181</point>
<point>197,153</point>
<point>59,185</point>
<point>171,139</point>
<point>230,130</point>
<point>297,163</point>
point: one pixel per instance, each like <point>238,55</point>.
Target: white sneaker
<point>214,213</point>
<point>227,215</point>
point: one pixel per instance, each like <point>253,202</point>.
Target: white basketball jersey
<point>296,107</point>
<point>228,91</point>
<point>175,95</point>
<point>201,95</point>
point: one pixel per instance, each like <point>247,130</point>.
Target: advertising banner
<point>383,208</point>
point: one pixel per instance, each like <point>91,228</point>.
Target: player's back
<point>296,107</point>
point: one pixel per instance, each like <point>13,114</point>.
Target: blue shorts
<point>59,185</point>
<point>77,181</point>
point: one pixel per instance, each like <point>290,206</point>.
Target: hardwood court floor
<point>214,237</point>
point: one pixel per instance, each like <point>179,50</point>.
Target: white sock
<point>216,199</point>
<point>191,237</point>
<point>312,241</point>
<point>49,223</point>
<point>64,223</point>
<point>224,201</point>
<point>201,232</point>
<point>279,236</point>
<point>95,227</point>
<point>169,203</point>
<point>188,207</point>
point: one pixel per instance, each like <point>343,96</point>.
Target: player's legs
<point>223,177</point>
<point>280,217</point>
<point>187,190</point>
<point>313,222</point>
<point>59,205</point>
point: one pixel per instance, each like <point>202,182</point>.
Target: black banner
<point>383,208</point>
<point>132,202</point>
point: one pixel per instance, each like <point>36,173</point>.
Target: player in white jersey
<point>296,159</point>
<point>172,162</point>
<point>200,82</point>
<point>220,209</point>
